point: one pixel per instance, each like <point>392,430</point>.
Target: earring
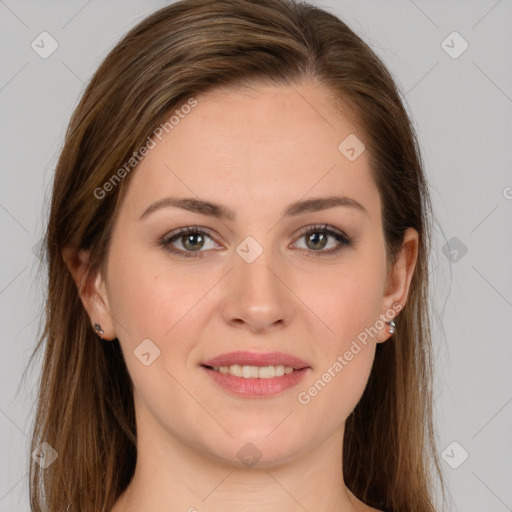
<point>99,329</point>
<point>392,327</point>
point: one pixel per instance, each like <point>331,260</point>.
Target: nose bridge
<point>255,266</point>
<point>257,294</point>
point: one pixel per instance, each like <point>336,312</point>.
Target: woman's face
<point>252,281</point>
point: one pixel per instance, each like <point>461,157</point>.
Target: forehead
<point>253,147</point>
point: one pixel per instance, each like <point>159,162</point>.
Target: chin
<point>261,448</point>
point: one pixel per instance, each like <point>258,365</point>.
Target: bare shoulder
<point>359,505</point>
<point>366,508</point>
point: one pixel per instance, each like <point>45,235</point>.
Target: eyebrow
<point>222,212</point>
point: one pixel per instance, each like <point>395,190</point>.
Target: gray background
<point>462,110</point>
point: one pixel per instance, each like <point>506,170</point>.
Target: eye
<point>192,240</point>
<point>316,238</point>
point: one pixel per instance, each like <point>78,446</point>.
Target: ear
<point>92,290</point>
<point>399,280</point>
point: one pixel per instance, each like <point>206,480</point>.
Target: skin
<point>255,151</point>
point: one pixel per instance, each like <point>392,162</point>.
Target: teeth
<point>255,372</point>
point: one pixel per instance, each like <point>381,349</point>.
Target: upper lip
<point>244,358</point>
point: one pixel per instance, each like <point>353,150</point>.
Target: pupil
<point>315,236</point>
<point>193,247</point>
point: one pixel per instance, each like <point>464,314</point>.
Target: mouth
<point>233,361</point>
<point>252,374</point>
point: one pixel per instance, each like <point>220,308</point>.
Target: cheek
<point>345,358</point>
<point>349,307</point>
<point>340,385</point>
<point>150,297</point>
<point>154,303</point>
<point>347,301</point>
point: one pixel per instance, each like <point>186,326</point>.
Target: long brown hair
<point>85,409</point>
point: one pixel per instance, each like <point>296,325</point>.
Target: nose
<point>257,296</point>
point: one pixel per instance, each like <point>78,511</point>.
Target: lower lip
<point>241,386</point>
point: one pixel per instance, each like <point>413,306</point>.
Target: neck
<point>172,475</point>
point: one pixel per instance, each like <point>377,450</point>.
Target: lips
<point>244,358</point>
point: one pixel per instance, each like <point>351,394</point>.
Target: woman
<point>237,312</point>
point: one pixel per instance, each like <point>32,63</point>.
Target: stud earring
<point>392,327</point>
<point>100,331</point>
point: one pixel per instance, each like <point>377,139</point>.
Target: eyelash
<point>343,239</point>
